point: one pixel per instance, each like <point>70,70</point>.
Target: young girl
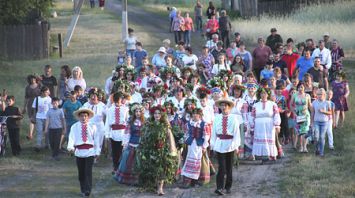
<point>157,153</point>
<point>221,65</point>
<point>341,91</point>
<point>126,173</point>
<point>267,72</point>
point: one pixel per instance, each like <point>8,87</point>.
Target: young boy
<point>331,121</point>
<point>69,107</point>
<point>84,141</point>
<point>13,125</point>
<point>80,96</point>
<point>55,127</point>
<point>48,80</point>
<point>41,104</point>
<point>138,56</point>
<point>121,58</point>
<point>267,72</point>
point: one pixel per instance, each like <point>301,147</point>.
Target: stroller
<point>3,135</point>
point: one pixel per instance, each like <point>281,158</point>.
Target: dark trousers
<point>14,135</point>
<point>225,38</point>
<point>54,136</point>
<point>116,147</point>
<point>178,36</point>
<point>85,173</point>
<point>257,72</point>
<point>199,23</point>
<point>284,126</point>
<point>92,3</point>
<point>225,167</point>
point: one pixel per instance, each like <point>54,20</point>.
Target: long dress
<point>248,135</point>
<point>240,109</point>
<point>196,139</point>
<point>30,95</point>
<point>126,172</point>
<point>340,102</point>
<point>301,108</point>
<point>266,118</point>
<point>157,155</point>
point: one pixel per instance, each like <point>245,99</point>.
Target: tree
<point>24,11</point>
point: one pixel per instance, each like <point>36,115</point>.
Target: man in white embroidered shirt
<point>84,142</point>
<point>225,141</point>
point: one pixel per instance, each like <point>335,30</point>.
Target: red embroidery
<point>117,115</point>
<point>224,124</point>
<point>84,135</point>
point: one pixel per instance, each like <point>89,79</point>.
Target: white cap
<point>162,49</point>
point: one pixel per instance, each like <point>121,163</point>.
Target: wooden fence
<point>250,8</point>
<point>20,42</point>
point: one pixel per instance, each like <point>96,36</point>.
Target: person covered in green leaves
<point>157,153</point>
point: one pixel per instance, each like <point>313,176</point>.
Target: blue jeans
<point>130,53</point>
<point>187,37</point>
<point>199,23</point>
<point>40,124</point>
<point>320,131</point>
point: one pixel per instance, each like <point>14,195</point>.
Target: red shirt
<point>212,25</point>
<point>291,62</point>
<point>188,23</point>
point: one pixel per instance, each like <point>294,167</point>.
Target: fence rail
<point>20,42</point>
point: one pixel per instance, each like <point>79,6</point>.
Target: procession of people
<point>173,116</point>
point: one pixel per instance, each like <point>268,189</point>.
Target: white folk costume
<point>99,110</point>
<point>84,141</point>
<point>224,141</point>
<point>197,140</point>
<point>240,110</point>
<point>115,126</point>
<point>266,118</point>
<point>248,135</point>
<point>208,117</point>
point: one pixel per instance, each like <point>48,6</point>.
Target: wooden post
<point>60,44</point>
<point>124,20</point>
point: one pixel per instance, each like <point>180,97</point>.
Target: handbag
<point>301,118</point>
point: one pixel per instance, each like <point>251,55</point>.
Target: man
<point>290,58</point>
<point>237,38</point>
<point>272,39</point>
<point>84,142</point>
<point>327,41</point>
<point>225,27</point>
<point>225,141</point>
<point>304,64</point>
<point>324,55</point>
<point>48,80</point>
<point>278,62</point>
<point>318,74</point>
<point>198,15</point>
<point>211,44</point>
<point>115,126</point>
<point>261,55</point>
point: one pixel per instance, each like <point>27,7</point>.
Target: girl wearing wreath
<point>159,92</point>
<point>196,138</point>
<point>157,154</point>
<point>99,109</point>
<point>126,172</point>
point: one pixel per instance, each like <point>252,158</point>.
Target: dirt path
<point>251,179</point>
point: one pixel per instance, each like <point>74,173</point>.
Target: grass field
<point>94,47</point>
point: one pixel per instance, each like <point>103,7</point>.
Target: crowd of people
<point>165,116</point>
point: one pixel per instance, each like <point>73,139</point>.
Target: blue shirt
<point>69,109</point>
<point>266,74</point>
<point>139,55</point>
<point>304,65</point>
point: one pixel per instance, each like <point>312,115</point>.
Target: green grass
<point>311,22</point>
<point>333,176</point>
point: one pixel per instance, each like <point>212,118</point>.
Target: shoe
<point>300,150</point>
<point>219,192</point>
<point>305,150</point>
<point>184,186</point>
<point>37,150</point>
<point>228,191</point>
<point>331,148</point>
<point>87,194</point>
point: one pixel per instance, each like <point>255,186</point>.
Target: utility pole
<point>124,20</point>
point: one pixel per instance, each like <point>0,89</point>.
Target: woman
<point>238,66</point>
<point>300,105</point>
<point>63,81</point>
<point>130,43</point>
<point>265,122</point>
<point>246,56</point>
<point>189,26</point>
<point>76,79</point>
<point>32,90</point>
<point>126,172</point>
<point>240,110</point>
<point>157,153</point>
<point>158,59</point>
<point>321,111</point>
<point>190,59</point>
<point>178,26</point>
<point>212,27</point>
<point>232,51</point>
<point>211,10</point>
<point>221,65</point>
<point>207,60</point>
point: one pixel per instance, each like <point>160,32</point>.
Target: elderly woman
<point>76,79</point>
<point>158,59</point>
<point>178,26</point>
<point>265,121</point>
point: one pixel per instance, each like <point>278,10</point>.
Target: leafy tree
<point>24,11</point>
